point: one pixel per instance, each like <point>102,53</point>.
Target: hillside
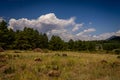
<point>116,38</point>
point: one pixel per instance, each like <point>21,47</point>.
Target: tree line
<point>29,38</point>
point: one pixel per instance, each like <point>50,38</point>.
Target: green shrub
<point>64,54</point>
<point>57,54</point>
<point>116,51</point>
<point>9,70</point>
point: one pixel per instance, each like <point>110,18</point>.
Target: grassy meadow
<point>29,65</point>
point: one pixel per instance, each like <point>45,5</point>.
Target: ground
<point>58,65</point>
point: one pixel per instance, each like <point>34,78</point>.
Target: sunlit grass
<point>74,66</point>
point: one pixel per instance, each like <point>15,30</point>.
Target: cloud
<point>1,19</point>
<point>65,28</point>
<point>44,23</point>
<point>49,24</point>
<point>86,31</point>
<point>77,27</point>
<point>118,33</point>
<point>103,36</point>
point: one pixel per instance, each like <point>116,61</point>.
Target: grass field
<point>29,65</point>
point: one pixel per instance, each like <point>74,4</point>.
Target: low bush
<point>64,54</point>
<point>1,49</point>
<point>118,57</point>
<point>57,54</point>
<point>116,51</point>
<point>9,70</point>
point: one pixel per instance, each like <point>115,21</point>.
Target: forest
<point>28,39</point>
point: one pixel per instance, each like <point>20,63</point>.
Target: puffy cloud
<point>85,35</point>
<point>65,28</point>
<point>118,33</point>
<point>103,36</point>
<point>1,19</point>
<point>77,27</point>
<point>86,31</point>
<point>49,24</point>
<point>44,23</point>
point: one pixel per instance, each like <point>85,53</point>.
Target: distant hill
<point>116,38</point>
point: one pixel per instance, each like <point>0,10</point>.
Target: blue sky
<point>99,16</point>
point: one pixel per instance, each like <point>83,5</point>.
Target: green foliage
<point>116,51</point>
<point>4,34</point>
<point>28,39</point>
<point>71,44</point>
<point>56,43</point>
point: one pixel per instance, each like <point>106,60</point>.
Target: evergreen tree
<point>56,43</point>
<point>71,44</point>
<point>4,34</point>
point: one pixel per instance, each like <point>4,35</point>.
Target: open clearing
<point>29,65</point>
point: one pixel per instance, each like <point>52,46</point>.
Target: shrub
<point>103,62</point>
<point>64,54</point>
<point>116,51</point>
<point>1,49</point>
<point>118,57</point>
<point>54,73</point>
<point>38,50</point>
<point>9,70</point>
<point>16,55</point>
<point>57,54</point>
<point>37,59</point>
<point>115,64</point>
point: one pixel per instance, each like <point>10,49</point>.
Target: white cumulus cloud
<point>65,28</point>
<point>44,23</point>
<point>77,27</point>
<point>86,31</point>
<point>49,24</point>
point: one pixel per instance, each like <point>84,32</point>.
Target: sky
<point>69,19</point>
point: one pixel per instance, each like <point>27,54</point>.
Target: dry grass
<point>74,66</point>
